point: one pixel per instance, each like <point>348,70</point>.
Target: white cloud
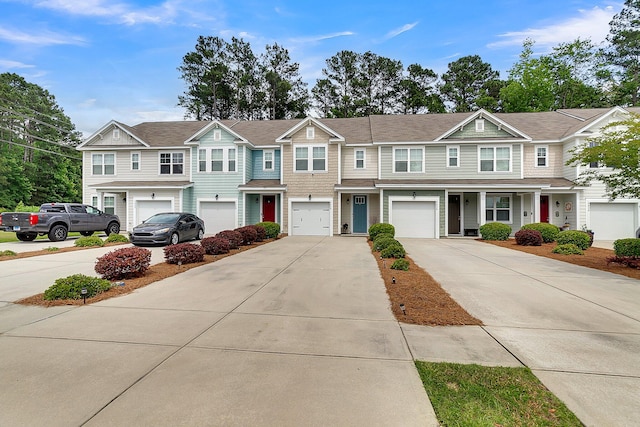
<point>393,33</point>
<point>42,38</point>
<point>8,64</point>
<point>588,24</point>
<point>313,39</point>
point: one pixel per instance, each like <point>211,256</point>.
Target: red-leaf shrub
<point>629,261</point>
<point>215,245</point>
<point>262,233</point>
<point>125,263</point>
<point>249,234</point>
<point>183,253</point>
<point>526,237</point>
<point>234,237</point>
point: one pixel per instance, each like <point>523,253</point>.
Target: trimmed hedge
<point>215,245</point>
<point>394,250</point>
<point>382,241</point>
<point>124,263</point>
<point>528,238</point>
<point>71,287</point>
<point>260,231</point>
<point>495,231</point>
<point>88,241</point>
<point>234,237</point>
<point>249,234</point>
<point>183,253</point>
<point>272,229</point>
<point>116,238</point>
<point>567,249</point>
<point>627,247</point>
<point>380,228</point>
<point>400,264</point>
<point>575,237</point>
<point>628,261</point>
<point>548,231</point>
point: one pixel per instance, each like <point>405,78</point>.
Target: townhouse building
<point>433,175</point>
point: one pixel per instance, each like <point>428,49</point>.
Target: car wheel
<point>112,228</point>
<point>200,234</point>
<point>174,239</point>
<point>57,233</point>
<point>87,233</point>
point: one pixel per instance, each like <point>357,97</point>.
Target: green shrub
<point>575,237</point>
<point>7,253</point>
<point>124,263</point>
<point>380,228</point>
<point>117,238</point>
<point>272,229</point>
<point>548,231</point>
<point>183,253</point>
<point>21,207</point>
<point>52,249</point>
<point>70,287</point>
<point>400,264</point>
<point>627,247</point>
<point>495,231</point>
<point>394,250</point>
<point>383,241</point>
<point>88,241</point>
<point>567,249</point>
<point>528,237</point>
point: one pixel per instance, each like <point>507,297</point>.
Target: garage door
<point>611,221</point>
<point>310,218</point>
<point>148,208</point>
<point>218,216</point>
<point>414,218</point>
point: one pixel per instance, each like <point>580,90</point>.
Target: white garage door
<point>148,208</point>
<point>611,221</point>
<point>310,218</point>
<point>218,216</point>
<point>414,218</point>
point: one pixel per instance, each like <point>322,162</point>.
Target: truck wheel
<point>87,233</point>
<point>57,233</point>
<point>112,228</point>
<point>174,239</point>
<point>26,237</point>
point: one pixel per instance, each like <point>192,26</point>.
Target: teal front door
<point>359,214</point>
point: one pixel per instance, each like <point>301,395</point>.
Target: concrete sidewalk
<point>578,329</point>
<point>295,332</point>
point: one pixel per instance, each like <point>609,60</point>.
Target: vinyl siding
<point>257,164</point>
<point>555,163</point>
<point>370,162</point>
<point>491,130</point>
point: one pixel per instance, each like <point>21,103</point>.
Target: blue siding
<point>257,160</point>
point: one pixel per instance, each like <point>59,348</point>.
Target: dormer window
<point>311,132</point>
<point>480,125</point>
<point>116,134</point>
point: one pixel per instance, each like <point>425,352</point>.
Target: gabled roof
<point>98,135</point>
<point>167,134</point>
<point>309,121</point>
<point>483,114</point>
<point>216,124</point>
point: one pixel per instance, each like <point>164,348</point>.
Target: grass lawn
<point>9,236</point>
<point>473,395</point>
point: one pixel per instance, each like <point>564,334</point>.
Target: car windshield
<point>163,219</point>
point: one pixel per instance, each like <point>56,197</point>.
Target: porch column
<point>482,207</point>
<point>535,215</point>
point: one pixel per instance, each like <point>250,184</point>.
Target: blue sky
<point>118,59</point>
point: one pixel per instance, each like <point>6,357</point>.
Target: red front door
<point>544,208</point>
<point>269,208</point>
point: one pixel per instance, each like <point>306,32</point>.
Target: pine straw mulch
<point>592,258</point>
<point>155,273</point>
<point>426,303</point>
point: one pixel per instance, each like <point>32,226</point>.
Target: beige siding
<point>370,161</point>
<point>554,168</point>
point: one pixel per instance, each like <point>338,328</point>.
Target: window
<point>110,205</point>
<point>217,160</point>
<point>202,160</point>
<point>593,165</point>
<point>498,208</point>
<point>135,161</point>
<point>171,163</point>
<point>231,160</point>
<point>267,160</point>
<point>217,134</point>
<point>495,159</point>
<point>94,200</point>
<point>408,160</point>
<point>316,156</point>
<point>311,133</point>
<point>103,164</point>
<point>359,159</point>
<point>480,125</point>
<point>541,155</point>
<point>116,134</point>
<point>452,156</point>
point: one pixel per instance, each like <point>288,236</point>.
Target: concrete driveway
<point>578,329</point>
<point>295,332</point>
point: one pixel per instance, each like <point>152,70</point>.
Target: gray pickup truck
<point>58,219</point>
